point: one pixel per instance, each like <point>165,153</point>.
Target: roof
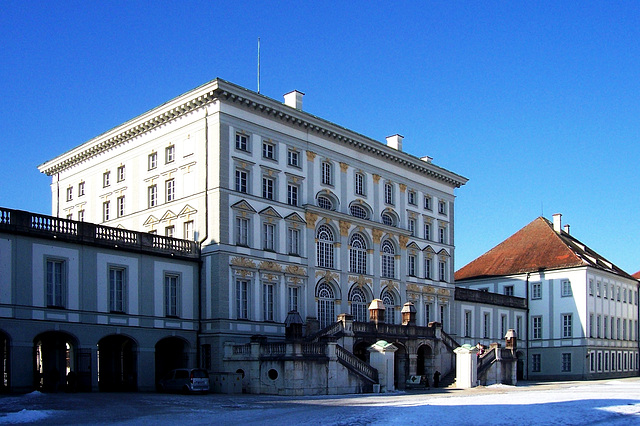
<point>636,275</point>
<point>536,247</point>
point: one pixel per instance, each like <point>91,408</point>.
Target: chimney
<point>566,228</point>
<point>294,99</point>
<point>557,222</point>
<point>395,141</point>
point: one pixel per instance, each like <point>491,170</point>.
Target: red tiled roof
<point>636,275</point>
<point>533,248</point>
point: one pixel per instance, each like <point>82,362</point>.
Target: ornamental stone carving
<point>403,241</point>
<point>270,265</point>
<point>343,167</point>
<point>376,178</point>
<point>403,187</point>
<point>327,275</point>
<point>242,262</point>
<point>311,219</point>
<point>444,292</point>
<point>360,280</point>
<point>311,155</point>
<point>430,289</point>
<point>295,270</point>
<point>377,235</point>
<point>344,228</point>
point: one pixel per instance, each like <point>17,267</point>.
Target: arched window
<point>359,308</point>
<point>358,255</point>
<point>387,219</point>
<point>390,307</point>
<point>325,203</point>
<point>325,247</point>
<point>358,211</point>
<point>326,305</point>
<point>388,260</point>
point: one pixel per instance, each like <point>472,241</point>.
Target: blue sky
<point>537,103</point>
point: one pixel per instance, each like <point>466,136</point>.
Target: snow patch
<point>24,416</point>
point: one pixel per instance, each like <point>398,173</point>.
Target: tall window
<point>152,160</point>
<point>427,268</point>
<point>106,179</point>
<point>169,231</point>
<point>292,194</point>
<point>359,305</point>
<point>242,142</point>
<point>69,193</point>
<point>412,227</point>
<point>598,321</point>
<point>427,313</point>
<point>442,272</point>
<point>427,231</point>
<point>120,202</point>
<point>567,329</point>
<point>467,323</point>
<point>519,327</point>
<point>268,185</point>
<point>242,231</point>
<point>411,265</point>
<point>566,288</point>
<point>56,283</point>
<point>388,260</point>
<point>267,301</point>
<point>268,150</point>
<point>268,236</point>
<point>293,298</point>
<point>326,305</point>
<point>171,295</point>
<point>358,255</point>
<point>536,290</point>
<point>537,327</point>
<point>116,289</point>
<point>294,241</point>
<point>427,202</point>
<point>152,192</point>
<point>105,211</point>
<point>442,207</point>
<point>388,193</point>
<point>188,230</point>
<point>442,234</point>
<point>169,154</point>
<point>411,197</point>
<point>80,189</point>
<point>389,303</point>
<point>242,299</point>
<point>293,158</point>
<point>486,325</point>
<point>359,184</point>
<point>242,179</point>
<point>120,174</point>
<point>171,190</point>
<point>81,215</point>
<point>327,173</point>
<point>508,290</point>
<point>324,237</point>
<point>535,363</point>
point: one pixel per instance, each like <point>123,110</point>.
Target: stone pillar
<point>381,357</point>
<point>333,380</point>
<point>466,366</point>
<point>347,331</point>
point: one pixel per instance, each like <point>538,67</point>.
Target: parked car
<point>185,380</point>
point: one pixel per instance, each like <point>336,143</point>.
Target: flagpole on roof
<point>258,65</point>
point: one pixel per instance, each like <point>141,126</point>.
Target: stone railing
<point>314,349</point>
<point>351,361</point>
<point>271,349</point>
<point>330,330</point>
<point>393,330</point>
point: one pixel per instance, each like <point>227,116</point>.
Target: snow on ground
<point>613,402</point>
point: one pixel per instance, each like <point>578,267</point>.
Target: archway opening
<point>171,353</point>
<point>360,350</point>
<point>117,364</point>
<point>425,360</point>
<point>401,366</point>
<point>520,365</point>
<point>55,360</point>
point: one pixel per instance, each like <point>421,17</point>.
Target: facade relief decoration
<point>295,270</point>
<point>403,187</point>
<point>242,262</point>
<point>344,228</point>
<point>269,277</point>
<point>343,167</point>
<point>377,235</point>
<point>311,155</point>
<point>360,280</point>
<point>376,178</point>
<point>270,265</point>
<point>327,275</point>
<point>444,292</point>
<point>403,241</point>
<point>311,219</point>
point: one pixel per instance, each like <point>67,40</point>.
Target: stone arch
<point>170,353</point>
<point>117,363</point>
<point>55,357</point>
<point>326,294</point>
<point>360,349</point>
<point>400,366</point>
<point>391,299</point>
<point>359,299</point>
<point>424,363</point>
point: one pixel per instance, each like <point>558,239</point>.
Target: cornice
<point>226,91</point>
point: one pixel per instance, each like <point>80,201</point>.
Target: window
<point>169,154</point>
<point>69,193</point>
<point>242,142</point>
<point>268,150</point>
<point>105,179</point>
<point>503,325</point>
<point>442,235</point>
<point>120,174</point>
<point>81,215</point>
<point>70,216</point>
<point>412,227</point>
<point>358,255</point>
<point>268,185</point>
<point>326,305</point>
<point>292,194</point>
<point>242,299</point>
<point>170,186</point>
<point>267,302</point>
<point>117,289</point>
<point>171,295</point>
<point>388,260</point>
<point>427,313</point>
<point>325,203</point>
<point>427,268</point>
<point>411,198</point>
<point>467,323</point>
<point>294,241</point>
<point>389,303</point>
<point>442,207</point>
<point>293,298</point>
<point>598,322</point>
<point>293,158</point>
<point>359,187</point>
<point>388,193</point>
<point>567,329</point>
<point>387,219</point>
<point>519,327</point>
<point>268,236</point>
<point>566,362</point>
<point>242,179</point>
<point>442,315</point>
<point>618,295</point>
<point>169,231</point>
<point>358,211</point>
<point>411,267</point>
<point>327,173</point>
<point>598,293</point>
<point>508,290</point>
<point>427,231</point>
<point>242,231</point>
<point>442,270</point>
<point>427,202</point>
<point>120,202</point>
<point>324,247</point>
<point>188,231</point>
<point>105,211</point>
<point>56,283</point>
<point>591,287</point>
<point>605,324</point>
<point>605,291</point>
<point>80,189</point>
<point>535,363</point>
<point>590,325</point>
<point>537,327</point>
<point>152,160</point>
<point>566,288</point>
<point>359,308</point>
<point>152,195</point>
<point>486,325</point>
<point>536,290</point>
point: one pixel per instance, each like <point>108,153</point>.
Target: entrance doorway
<point>117,364</point>
<point>54,360</point>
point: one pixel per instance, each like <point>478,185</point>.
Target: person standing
<point>436,379</point>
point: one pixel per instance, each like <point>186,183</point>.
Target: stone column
<point>466,366</point>
<point>381,357</point>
